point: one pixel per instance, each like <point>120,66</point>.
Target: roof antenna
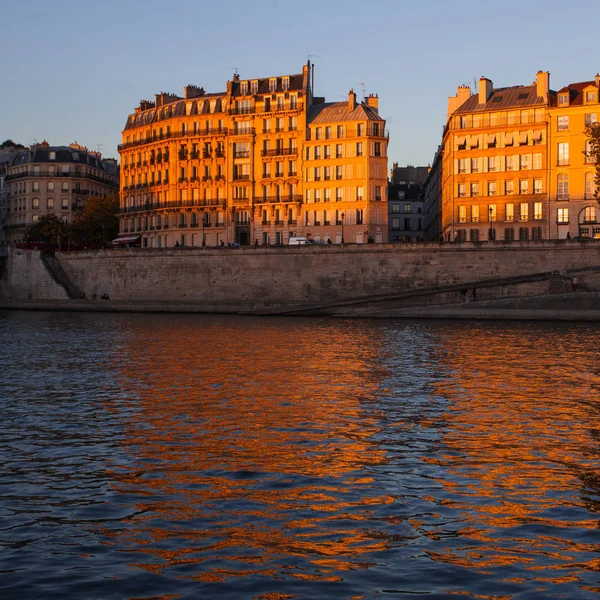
<point>362,87</point>
<point>235,71</point>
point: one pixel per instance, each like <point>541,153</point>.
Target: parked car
<point>300,241</point>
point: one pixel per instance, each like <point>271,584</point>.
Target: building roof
<point>64,154</point>
<point>575,91</point>
<point>502,98</point>
<point>296,84</point>
<point>331,112</point>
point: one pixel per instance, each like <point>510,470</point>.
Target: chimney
<point>597,80</point>
<point>373,101</point>
<point>485,89</point>
<point>351,100</point>
<point>542,82</point>
<point>463,93</point>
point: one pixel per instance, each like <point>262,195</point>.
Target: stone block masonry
<point>303,276</point>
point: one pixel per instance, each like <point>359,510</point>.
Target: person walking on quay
<point>464,293</point>
<point>474,293</point>
<point>575,283</point>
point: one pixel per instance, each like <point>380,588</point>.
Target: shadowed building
<point>56,180</point>
<point>215,168</point>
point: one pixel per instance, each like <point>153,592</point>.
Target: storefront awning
<point>125,239</point>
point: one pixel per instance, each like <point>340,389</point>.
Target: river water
<point>155,456</point>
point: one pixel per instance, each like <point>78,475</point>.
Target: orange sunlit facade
<point>514,163</point>
<point>215,168</point>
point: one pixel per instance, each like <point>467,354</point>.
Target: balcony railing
<point>241,177</point>
<point>153,206</point>
<point>275,199</point>
<point>241,154</point>
<point>280,152</point>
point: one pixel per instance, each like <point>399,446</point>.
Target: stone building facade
<point>514,164</point>
<point>56,180</point>
<point>261,162</point>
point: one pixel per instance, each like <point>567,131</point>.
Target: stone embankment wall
<point>257,277</point>
<point>252,278</point>
<point>25,277</point>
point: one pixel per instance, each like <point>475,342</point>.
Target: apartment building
<point>56,180</point>
<point>515,164</point>
<point>256,164</point>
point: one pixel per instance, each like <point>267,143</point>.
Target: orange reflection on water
<point>520,448</point>
<point>244,443</point>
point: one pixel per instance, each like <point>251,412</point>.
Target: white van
<point>300,241</point>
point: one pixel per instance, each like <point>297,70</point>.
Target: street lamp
<point>491,212</point>
<point>343,215</point>
<point>203,242</point>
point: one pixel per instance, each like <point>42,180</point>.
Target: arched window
<point>562,187</point>
<point>590,214</point>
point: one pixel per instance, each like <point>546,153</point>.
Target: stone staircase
<point>56,271</point>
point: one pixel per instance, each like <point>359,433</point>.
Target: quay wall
<point>255,277</point>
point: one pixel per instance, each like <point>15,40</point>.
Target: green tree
<point>593,133</point>
<point>49,229</point>
<point>98,224</point>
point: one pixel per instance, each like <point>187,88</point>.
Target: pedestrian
<point>575,283</point>
<point>474,292</point>
<point>463,293</point>
<point>256,242</point>
<point>568,235</point>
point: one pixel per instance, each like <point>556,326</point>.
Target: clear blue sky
<point>73,70</point>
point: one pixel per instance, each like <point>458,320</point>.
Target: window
<point>526,161</point>
<point>524,186</point>
<point>509,212</point>
<point>563,215</point>
<point>244,88</point>
<point>326,173</point>
<point>509,187</point>
<point>562,187</point>
<point>317,174</point>
<point>537,161</point>
<point>492,212</point>
<point>254,87</point>
<point>590,119</point>
<point>50,203</point>
<point>359,149</point>
<point>563,153</point>
<point>52,156</point>
<point>474,213</point>
<point>318,133</point>
<point>359,194</point>
<point>65,186</point>
<point>35,186</point>
<point>589,185</point>
<point>589,156</point>
<point>462,190</point>
<point>509,234</point>
<point>523,233</point>
<point>328,133</point>
<point>474,165</point>
<point>408,208</point>
<point>395,223</point>
<point>340,131</point>
<point>563,123</point>
<point>524,211</point>
<point>590,96</point>
<point>286,84</point>
<point>360,129</point>
<point>280,102</point>
<point>537,210</point>
<point>492,163</point>
<point>537,186</point>
<point>510,163</point>
<point>293,101</point>
<point>35,203</point>
<point>395,207</point>
<point>293,123</point>
<point>338,151</point>
<point>317,152</point>
<point>65,203</point>
<point>338,172</point>
<point>272,84</point>
<point>50,186</point>
<point>377,149</point>
<point>462,165</point>
<point>589,214</point>
<point>338,194</point>
<point>475,188</point>
<point>491,188</point>
<point>462,214</point>
<point>563,99</point>
<point>377,190</point>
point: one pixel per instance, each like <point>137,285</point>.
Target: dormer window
<point>244,88</point>
<point>590,96</point>
<point>563,99</point>
<point>272,84</point>
<point>52,155</point>
<point>254,87</point>
<point>286,84</point>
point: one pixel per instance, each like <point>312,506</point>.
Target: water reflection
<point>180,456</point>
<point>521,453</point>
<point>257,461</point>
